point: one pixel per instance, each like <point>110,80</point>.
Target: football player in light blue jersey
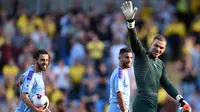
<point>119,83</point>
<point>32,82</point>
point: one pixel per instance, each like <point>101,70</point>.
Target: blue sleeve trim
<point>120,72</point>
<point>30,75</point>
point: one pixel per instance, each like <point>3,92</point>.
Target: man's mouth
<point>156,53</point>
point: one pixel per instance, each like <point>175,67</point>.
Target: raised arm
<point>129,13</point>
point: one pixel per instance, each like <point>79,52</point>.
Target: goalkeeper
<point>149,69</point>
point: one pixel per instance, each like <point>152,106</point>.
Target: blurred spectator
<point>165,14</point>
<point>49,26</point>
<point>61,72</point>
<point>7,51</point>
<point>195,27</point>
<point>54,94</point>
<point>114,52</point>
<point>95,48</point>
<point>89,96</point>
<point>76,73</point>
<point>9,28</point>
<point>3,99</point>
<point>194,100</point>
<point>2,37</point>
<point>60,106</point>
<point>22,21</point>
<point>81,107</point>
<point>118,27</point>
<point>146,11</point>
<point>40,38</point>
<point>189,76</point>
<point>10,71</point>
<point>101,89</point>
<point>25,57</point>
<point>175,33</point>
<point>77,51</point>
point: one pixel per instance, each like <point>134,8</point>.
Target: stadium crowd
<point>84,47</point>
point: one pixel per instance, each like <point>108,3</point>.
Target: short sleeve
<point>118,84</point>
<point>118,81</point>
<point>28,82</point>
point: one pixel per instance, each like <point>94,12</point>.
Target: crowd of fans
<point>84,47</point>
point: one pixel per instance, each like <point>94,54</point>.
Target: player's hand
<point>128,10</point>
<point>126,111</point>
<point>48,110</point>
<point>184,106</point>
<point>41,109</point>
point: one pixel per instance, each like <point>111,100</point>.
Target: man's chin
<point>128,66</point>
<point>44,69</point>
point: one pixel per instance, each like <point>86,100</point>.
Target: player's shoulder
<point>118,72</point>
<point>160,62</point>
<point>29,74</point>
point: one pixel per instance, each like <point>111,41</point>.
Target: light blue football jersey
<point>32,84</point>
<point>119,81</point>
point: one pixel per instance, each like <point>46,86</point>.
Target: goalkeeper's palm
<point>128,10</point>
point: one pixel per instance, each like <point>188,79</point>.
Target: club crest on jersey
<point>27,86</point>
<point>120,73</point>
<point>30,75</point>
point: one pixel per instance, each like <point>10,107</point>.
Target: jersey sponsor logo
<point>120,73</point>
<point>30,75</point>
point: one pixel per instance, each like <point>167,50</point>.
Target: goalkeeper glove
<point>129,13</point>
<point>184,106</point>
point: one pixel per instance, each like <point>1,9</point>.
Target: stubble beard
<point>40,68</point>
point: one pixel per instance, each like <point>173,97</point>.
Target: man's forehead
<point>160,43</point>
<point>127,54</point>
<point>44,56</point>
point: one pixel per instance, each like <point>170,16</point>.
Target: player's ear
<point>34,61</point>
<point>151,43</point>
<point>49,59</point>
<point>119,57</point>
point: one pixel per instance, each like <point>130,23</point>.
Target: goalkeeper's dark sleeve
<point>136,45</point>
<point>167,85</point>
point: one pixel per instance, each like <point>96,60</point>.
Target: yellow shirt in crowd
<point>175,29</point>
<point>76,73</point>
<point>95,49</point>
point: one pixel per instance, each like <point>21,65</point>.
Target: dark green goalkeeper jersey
<point>149,73</point>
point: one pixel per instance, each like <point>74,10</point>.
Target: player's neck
<point>123,68</point>
<point>36,69</point>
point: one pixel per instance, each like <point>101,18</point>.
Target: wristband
<point>179,98</point>
<point>131,25</point>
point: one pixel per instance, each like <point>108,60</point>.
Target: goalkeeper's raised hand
<point>129,13</point>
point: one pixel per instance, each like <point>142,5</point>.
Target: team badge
<point>27,86</point>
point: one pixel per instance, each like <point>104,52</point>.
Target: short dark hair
<point>37,53</point>
<point>125,50</point>
<point>160,37</point>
